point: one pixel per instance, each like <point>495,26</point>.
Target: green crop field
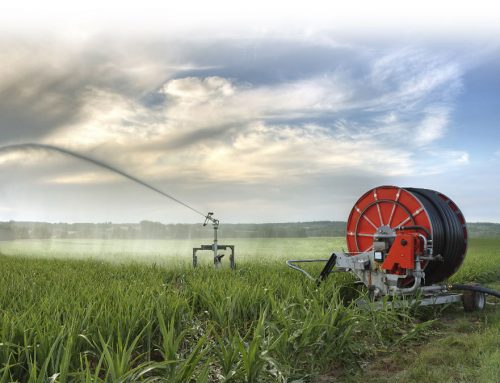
<point>132,311</point>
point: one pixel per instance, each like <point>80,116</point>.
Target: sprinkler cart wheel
<point>473,301</point>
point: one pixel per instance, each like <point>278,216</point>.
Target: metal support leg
<point>231,258</point>
<point>215,246</point>
<point>217,261</point>
<point>216,255</point>
<point>195,258</point>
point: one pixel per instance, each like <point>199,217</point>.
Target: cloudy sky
<point>264,114</point>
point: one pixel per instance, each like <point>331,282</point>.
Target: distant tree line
<point>155,230</point>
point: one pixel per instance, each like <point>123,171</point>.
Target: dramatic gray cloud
<point>261,129</point>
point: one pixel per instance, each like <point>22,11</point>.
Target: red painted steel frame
<point>401,256</point>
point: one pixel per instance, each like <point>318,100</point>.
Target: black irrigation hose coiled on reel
<point>449,239</point>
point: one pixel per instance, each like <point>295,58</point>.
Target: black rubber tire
<point>473,301</point>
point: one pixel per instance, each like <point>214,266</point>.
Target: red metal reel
<point>383,207</point>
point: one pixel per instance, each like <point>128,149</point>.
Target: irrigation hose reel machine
<point>405,242</point>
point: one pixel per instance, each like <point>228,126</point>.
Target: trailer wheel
<point>473,301</point>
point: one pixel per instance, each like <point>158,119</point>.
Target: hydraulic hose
<point>479,289</point>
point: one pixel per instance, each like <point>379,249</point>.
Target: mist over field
<point>156,230</point>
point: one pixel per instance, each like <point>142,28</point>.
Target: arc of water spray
<point>104,165</point>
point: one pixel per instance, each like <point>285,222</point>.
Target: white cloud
<point>409,78</point>
<point>108,118</point>
<point>20,158</point>
<point>82,178</point>
<point>383,124</point>
<point>199,103</point>
<point>435,162</point>
<point>196,90</point>
<point>211,133</point>
<point>433,125</point>
<point>291,153</point>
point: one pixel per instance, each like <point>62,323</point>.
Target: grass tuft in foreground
<point>90,321</point>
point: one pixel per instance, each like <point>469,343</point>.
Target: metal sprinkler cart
<point>215,246</point>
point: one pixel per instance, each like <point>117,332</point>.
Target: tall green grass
<point>482,263</point>
<point>94,321</point>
